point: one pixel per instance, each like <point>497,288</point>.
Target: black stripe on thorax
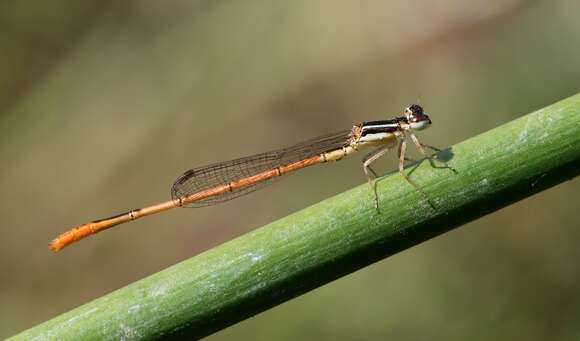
<point>374,127</point>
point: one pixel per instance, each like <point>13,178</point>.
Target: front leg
<point>421,148</point>
<point>435,149</point>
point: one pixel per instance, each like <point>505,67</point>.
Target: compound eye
<point>416,109</point>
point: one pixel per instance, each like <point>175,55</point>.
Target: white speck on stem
<point>255,257</point>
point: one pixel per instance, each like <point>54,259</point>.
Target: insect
<point>227,180</point>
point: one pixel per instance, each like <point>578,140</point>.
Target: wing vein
<point>203,178</point>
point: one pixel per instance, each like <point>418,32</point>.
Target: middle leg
<point>402,158</point>
<point>367,160</point>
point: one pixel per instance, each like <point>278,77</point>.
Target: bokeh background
<point>104,103</point>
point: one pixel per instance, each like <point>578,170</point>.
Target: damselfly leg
<point>367,160</point>
<point>376,154</point>
<point>421,148</point>
<point>402,151</point>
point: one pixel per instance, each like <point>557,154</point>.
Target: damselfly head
<point>417,118</point>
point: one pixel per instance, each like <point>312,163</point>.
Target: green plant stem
<point>335,237</point>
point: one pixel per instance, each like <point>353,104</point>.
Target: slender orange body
<point>226,180</point>
<point>85,230</point>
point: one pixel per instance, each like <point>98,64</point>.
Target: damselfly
<point>223,181</point>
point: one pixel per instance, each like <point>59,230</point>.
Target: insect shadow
<point>443,156</point>
<point>437,160</point>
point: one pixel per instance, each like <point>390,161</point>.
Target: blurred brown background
<point>103,104</point>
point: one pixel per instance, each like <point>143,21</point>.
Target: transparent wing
<point>203,178</point>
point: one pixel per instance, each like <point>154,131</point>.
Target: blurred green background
<point>104,103</point>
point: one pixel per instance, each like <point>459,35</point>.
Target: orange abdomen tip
<point>71,236</point>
